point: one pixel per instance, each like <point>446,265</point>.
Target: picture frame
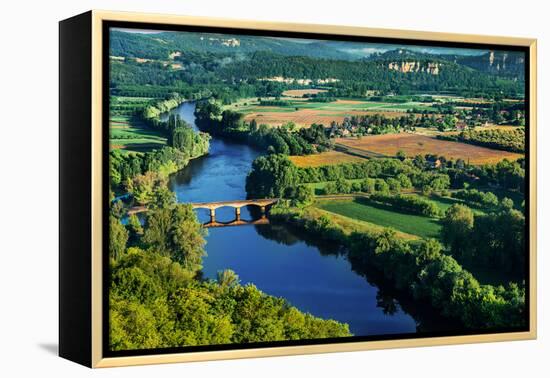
<point>84,109</point>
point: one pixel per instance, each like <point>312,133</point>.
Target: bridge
<point>236,222</point>
<point>237,205</point>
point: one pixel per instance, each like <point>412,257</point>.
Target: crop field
<point>415,144</point>
<point>384,216</point>
<point>131,135</point>
<point>325,158</point>
<point>303,113</point>
<point>127,105</point>
<point>301,92</point>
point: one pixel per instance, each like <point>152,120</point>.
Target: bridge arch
<point>237,205</point>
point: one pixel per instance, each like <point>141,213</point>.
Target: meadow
<point>384,216</point>
<point>303,113</point>
<point>129,134</point>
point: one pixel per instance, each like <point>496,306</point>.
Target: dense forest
<point>157,299</point>
<point>238,65</point>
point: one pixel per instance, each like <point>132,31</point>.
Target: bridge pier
<point>212,215</point>
<point>237,205</point>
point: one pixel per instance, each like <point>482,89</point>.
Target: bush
<point>409,204</point>
<point>478,198</point>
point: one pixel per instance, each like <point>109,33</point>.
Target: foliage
<point>506,140</point>
<point>506,174</point>
<point>477,198</point>
<point>176,232</point>
<point>409,204</point>
<point>495,240</point>
<point>457,226</point>
<point>278,140</point>
<point>164,161</point>
<point>147,187</point>
<point>300,195</point>
<point>422,270</point>
<point>118,237</point>
<point>156,303</point>
<point>270,176</point>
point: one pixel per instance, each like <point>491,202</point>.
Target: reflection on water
<point>315,277</point>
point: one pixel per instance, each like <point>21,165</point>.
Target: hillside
<point>175,61</point>
<point>161,45</point>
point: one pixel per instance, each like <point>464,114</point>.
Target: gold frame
<point>96,264</point>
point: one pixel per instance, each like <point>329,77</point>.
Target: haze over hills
<point>206,58</point>
<point>159,45</point>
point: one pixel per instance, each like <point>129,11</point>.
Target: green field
<point>120,106</point>
<point>129,134</point>
<point>384,216</point>
<point>252,106</point>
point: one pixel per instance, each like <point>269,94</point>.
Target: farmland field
<point>384,216</point>
<point>301,92</point>
<point>414,144</point>
<point>304,113</point>
<point>131,135</point>
<point>325,158</point>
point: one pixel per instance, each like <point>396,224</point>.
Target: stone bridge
<point>237,222</point>
<point>237,205</point>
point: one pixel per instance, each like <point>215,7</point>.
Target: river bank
<point>419,268</point>
<point>281,261</point>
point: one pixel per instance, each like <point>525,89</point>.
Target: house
<point>433,163</point>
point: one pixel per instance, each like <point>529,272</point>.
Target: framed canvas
<point>235,189</point>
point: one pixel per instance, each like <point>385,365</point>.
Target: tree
<point>300,195</point>
<point>117,209</point>
<point>177,233</point>
<point>182,138</point>
<point>343,186</point>
<point>457,226</point>
<point>270,176</point>
<point>427,250</point>
<point>118,237</point>
<point>187,237</point>
<point>227,278</point>
<point>135,229</point>
<point>143,187</point>
<point>162,198</point>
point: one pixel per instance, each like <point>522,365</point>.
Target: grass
<point>384,216</point>
<point>128,134</point>
<point>349,225</point>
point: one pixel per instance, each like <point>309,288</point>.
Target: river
<point>279,260</point>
